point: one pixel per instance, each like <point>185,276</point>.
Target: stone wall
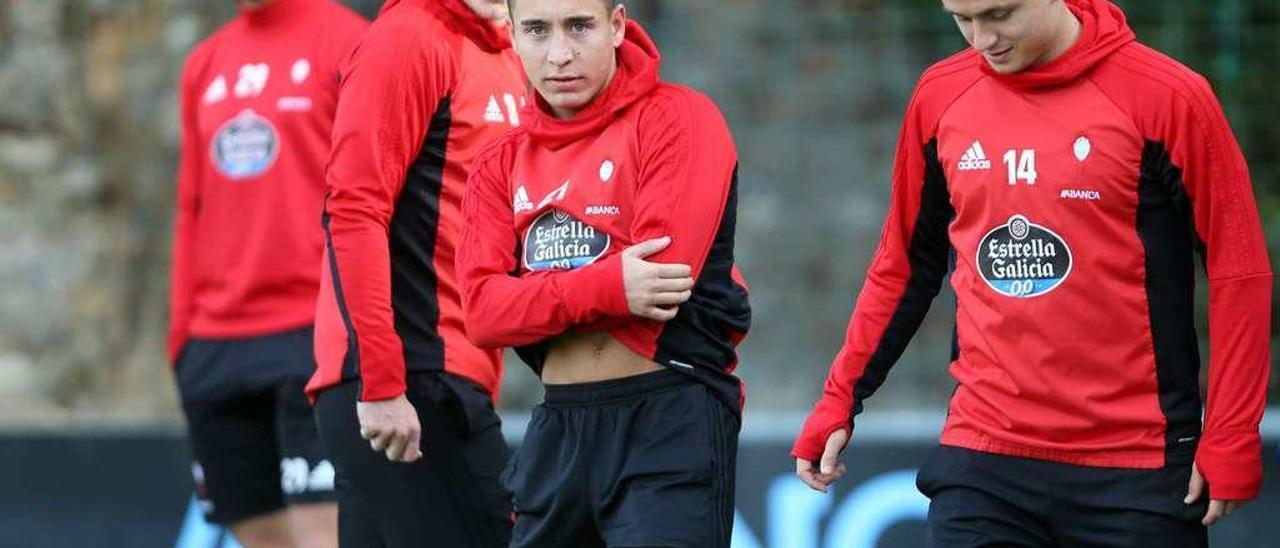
<point>812,88</point>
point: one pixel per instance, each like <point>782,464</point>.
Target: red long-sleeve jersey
<point>550,206</point>
<point>257,101</point>
<point>1069,200</point>
<point>429,84</point>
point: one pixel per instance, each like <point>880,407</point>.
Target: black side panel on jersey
<point>702,339</point>
<point>534,355</point>
<point>350,362</point>
<point>414,227</point>
<point>1167,229</point>
<point>929,255</point>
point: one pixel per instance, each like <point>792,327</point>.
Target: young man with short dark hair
<point>599,244</point>
<point>1066,175</point>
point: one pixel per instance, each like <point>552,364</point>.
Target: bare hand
<point>654,290</point>
<point>1218,509</point>
<point>830,468</point>
<point>392,427</point>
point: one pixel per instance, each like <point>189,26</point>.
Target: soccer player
<point>1067,175</point>
<point>598,241</point>
<point>404,400</point>
<point>257,103</point>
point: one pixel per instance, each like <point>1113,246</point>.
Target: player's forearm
<point>360,259</point>
<point>502,310</point>
<point>1229,453</point>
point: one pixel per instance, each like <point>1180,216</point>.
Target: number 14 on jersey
<point>1021,165</point>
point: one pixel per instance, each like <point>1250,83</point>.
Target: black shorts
<point>983,499</point>
<point>641,461</point>
<point>450,497</point>
<point>253,436</point>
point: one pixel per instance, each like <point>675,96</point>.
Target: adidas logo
<point>974,159</point>
<point>493,112</point>
<point>522,202</point>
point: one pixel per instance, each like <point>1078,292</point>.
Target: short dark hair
<point>610,4</point>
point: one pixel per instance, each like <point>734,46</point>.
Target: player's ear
<point>618,24</point>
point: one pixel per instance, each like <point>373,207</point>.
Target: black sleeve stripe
<point>929,255</point>
<point>350,362</point>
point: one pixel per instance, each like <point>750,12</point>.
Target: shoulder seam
<point>1146,64</point>
<point>933,128</point>
<point>958,62</point>
<point>1184,88</point>
<point>500,145</point>
<point>1091,78</point>
<point>940,71</point>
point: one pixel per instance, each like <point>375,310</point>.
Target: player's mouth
<point>998,56</point>
<point>563,83</point>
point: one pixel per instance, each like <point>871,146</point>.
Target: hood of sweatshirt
<point>1103,31</point>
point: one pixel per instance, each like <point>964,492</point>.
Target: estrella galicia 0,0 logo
<point>558,241</point>
<point>245,146</point>
<point>1023,259</point>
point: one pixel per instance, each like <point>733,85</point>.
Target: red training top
<point>1070,199</point>
<point>549,207</point>
<point>257,101</point>
<point>429,84</point>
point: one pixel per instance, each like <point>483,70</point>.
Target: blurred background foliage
<point>814,90</point>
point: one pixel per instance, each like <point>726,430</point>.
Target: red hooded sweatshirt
<point>428,86</point>
<point>550,206</point>
<point>257,100</point>
<point>1069,201</point>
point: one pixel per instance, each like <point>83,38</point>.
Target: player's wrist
<point>1231,462</point>
<point>380,399</point>
<point>819,427</point>
<point>381,391</point>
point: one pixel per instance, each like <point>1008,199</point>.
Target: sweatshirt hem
<point>207,329</point>
<point>1139,459</point>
